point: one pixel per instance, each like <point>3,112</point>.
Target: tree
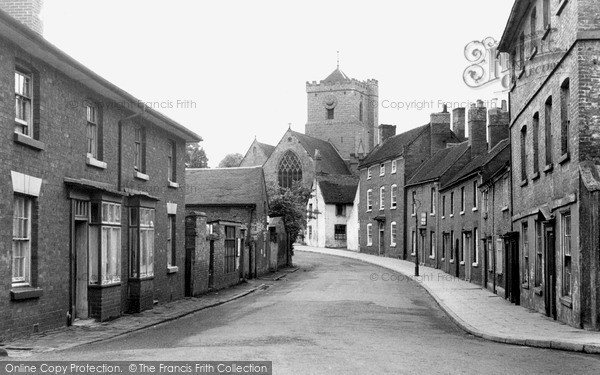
<point>195,157</point>
<point>231,161</point>
<point>290,204</point>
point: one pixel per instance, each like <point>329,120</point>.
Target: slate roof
<point>224,186</point>
<point>489,163</point>
<point>392,146</point>
<point>331,162</point>
<point>337,76</point>
<point>441,162</point>
<point>267,149</point>
<point>338,189</point>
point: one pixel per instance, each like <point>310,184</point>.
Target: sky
<point>234,70</point>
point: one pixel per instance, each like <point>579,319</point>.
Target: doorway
<point>513,279</point>
<point>549,272</point>
<point>211,266</point>
<point>381,238</point>
<point>81,270</point>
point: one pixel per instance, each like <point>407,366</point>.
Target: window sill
<point>548,168</point>
<point>99,286</point>
<point>141,176</point>
<point>462,213</point>
<point>393,245</point>
<point>431,257</point>
<point>535,176</point>
<point>413,254</point>
<point>432,214</point>
<point>443,217</point>
<point>565,158</point>
<point>452,261</point>
<point>93,162</point>
<point>538,291</point>
<point>25,293</point>
<point>462,263</point>
<point>29,142</point>
<point>475,209</point>
<point>413,215</point>
<point>370,210</point>
<point>172,269</point>
<point>566,301</point>
<point>476,265</point>
<point>523,183</point>
<point>393,208</point>
<point>451,215</point>
<point>173,185</point>
<point>144,278</point>
<point>505,208</point>
<point>561,7</point>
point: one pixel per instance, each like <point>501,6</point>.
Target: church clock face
<point>330,101</point>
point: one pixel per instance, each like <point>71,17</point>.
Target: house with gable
<point>257,154</point>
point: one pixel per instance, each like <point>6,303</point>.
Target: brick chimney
<point>386,131</point>
<point>498,121</point>
<point>25,11</point>
<point>440,129</point>
<point>458,122</point>
<point>477,129</point>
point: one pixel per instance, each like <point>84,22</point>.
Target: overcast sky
<point>239,68</point>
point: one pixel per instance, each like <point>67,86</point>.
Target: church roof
<point>331,162</point>
<point>338,189</point>
<point>439,164</point>
<point>224,186</point>
<point>267,149</point>
<point>393,146</point>
<point>337,76</point>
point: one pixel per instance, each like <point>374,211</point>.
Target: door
<point>381,239</point>
<point>513,279</point>
<point>211,266</point>
<point>81,281</point>
<point>549,272</point>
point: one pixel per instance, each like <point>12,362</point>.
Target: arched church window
<point>290,170</point>
<point>360,112</point>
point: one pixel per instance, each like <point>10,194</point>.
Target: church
<point>341,129</point>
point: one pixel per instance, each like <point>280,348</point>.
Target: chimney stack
<point>386,131</point>
<point>498,121</point>
<point>25,11</point>
<point>477,129</point>
<point>440,129</point>
<point>458,122</point>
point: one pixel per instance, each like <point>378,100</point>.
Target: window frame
<point>172,161</point>
<point>369,200</point>
<point>525,272</point>
<point>566,254</point>
<point>142,237</point>
<point>338,233</point>
<point>382,169</point>
<point>381,198</point>
<point>24,97</point>
<point>24,242</point>
<point>393,233</point>
<point>394,196</point>
<point>171,241</point>
<point>369,234</point>
<point>230,252</point>
<point>92,130</point>
<point>106,248</point>
<point>432,244</point>
<point>394,166</point>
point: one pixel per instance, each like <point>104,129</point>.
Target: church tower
<point>344,111</point>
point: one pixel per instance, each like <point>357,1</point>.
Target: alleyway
<point>329,317</point>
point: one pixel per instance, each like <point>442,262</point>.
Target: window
<point>484,203</point>
<point>452,203</point>
<point>369,234</point>
<point>394,166</point>
<point>414,203</point>
<point>171,243</point>
<point>464,247</point>
<point>565,119</point>
<point>172,162</point>
<point>230,249</point>
<point>533,26</point>
<point>475,247</point>
<point>566,254</point>
<point>289,170</point>
<point>393,234</point>
<point>490,248</point>
<point>538,253</point>
<point>369,173</point>
<point>105,243</point>
<point>475,202</point>
<point>369,200</point>
<point>360,111</point>
<point>330,113</point>
<point>499,256</point>
<point>23,103</point>
<point>443,205</point>
<point>21,241</point>
<point>432,245</point>
<point>462,200</point>
<point>139,163</point>
<point>310,232</point>
<point>382,198</point>
<point>413,237</point>
<point>92,130</point>
<point>340,232</point>
<point>451,248</point>
<point>141,242</point>
<point>340,210</point>
<point>548,130</point>
<point>445,240</point>
<point>525,249</point>
<point>382,170</point>
<point>536,141</point>
<point>432,200</point>
<point>505,193</point>
<point>524,153</point>
<point>394,196</point>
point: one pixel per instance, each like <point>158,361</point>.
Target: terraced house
<point>554,48</point>
<point>92,186</point>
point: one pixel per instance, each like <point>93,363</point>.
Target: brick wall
<point>25,11</point>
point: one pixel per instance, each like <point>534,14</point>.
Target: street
<point>330,317</point>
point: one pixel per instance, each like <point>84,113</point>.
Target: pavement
<point>477,310</point>
<point>90,331</point>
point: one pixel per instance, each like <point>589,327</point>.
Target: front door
<point>381,239</point>
<point>549,272</point>
<point>211,265</point>
<point>513,279</point>
<point>81,281</point>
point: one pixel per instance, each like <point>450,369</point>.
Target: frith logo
<point>486,66</point>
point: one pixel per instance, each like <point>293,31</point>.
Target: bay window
<point>141,242</point>
<point>105,243</point>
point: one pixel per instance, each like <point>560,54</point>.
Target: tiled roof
<point>267,149</point>
<point>336,76</point>
<point>500,160</point>
<point>225,186</point>
<point>440,163</point>
<point>338,189</point>
<point>393,146</point>
<point>331,162</point>
<point>487,161</point>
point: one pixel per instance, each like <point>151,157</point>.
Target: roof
<point>440,163</point>
<point>331,162</point>
<point>338,189</point>
<point>393,146</point>
<point>488,163</point>
<point>337,76</point>
<point>224,186</point>
<point>519,8</point>
<point>267,149</point>
<point>36,46</point>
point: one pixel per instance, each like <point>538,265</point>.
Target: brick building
<point>383,175</point>
<point>92,187</point>
<point>236,198</point>
<point>554,48</point>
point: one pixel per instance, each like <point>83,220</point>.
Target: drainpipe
<point>120,145</point>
